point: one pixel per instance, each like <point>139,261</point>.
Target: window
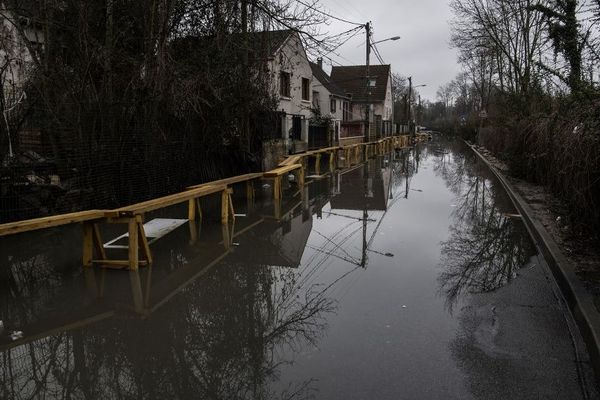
<point>284,84</point>
<point>333,105</point>
<point>316,100</point>
<point>346,110</point>
<point>305,89</point>
<point>372,82</point>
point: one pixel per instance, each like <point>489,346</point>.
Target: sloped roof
<point>326,81</point>
<point>352,79</point>
<point>261,45</point>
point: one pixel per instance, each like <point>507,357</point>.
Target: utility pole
<point>409,114</point>
<point>368,90</point>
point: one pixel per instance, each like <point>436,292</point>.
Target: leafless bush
<point>561,151</point>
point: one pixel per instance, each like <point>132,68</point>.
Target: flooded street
<point>409,277</point>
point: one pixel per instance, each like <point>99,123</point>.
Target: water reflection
<point>208,320</point>
<point>488,243</point>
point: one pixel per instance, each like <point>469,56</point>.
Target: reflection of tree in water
<point>486,247</point>
<point>215,340</point>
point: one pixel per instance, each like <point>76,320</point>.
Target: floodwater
<point>408,277</point>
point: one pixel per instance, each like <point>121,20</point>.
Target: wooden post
<point>88,244</point>
<point>192,209</point>
<point>133,244</point>
<point>144,240</point>
<point>199,208</point>
<point>277,188</point>
<point>98,245</point>
<point>249,190</point>
<point>136,291</point>
<point>277,206</point>
<point>224,206</point>
<point>299,175</point>
<point>226,236</point>
<point>230,202</point>
<point>193,232</point>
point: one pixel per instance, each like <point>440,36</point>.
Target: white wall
<point>16,55</point>
<point>292,58</point>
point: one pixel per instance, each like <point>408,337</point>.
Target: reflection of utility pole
<point>406,189</point>
<point>363,262</point>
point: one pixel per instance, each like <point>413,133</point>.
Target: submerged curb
<point>578,300</point>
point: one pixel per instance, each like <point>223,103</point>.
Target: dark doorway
<point>317,137</point>
<point>297,127</point>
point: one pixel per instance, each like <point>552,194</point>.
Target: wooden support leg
<point>249,190</point>
<point>88,244</point>
<point>277,188</point>
<point>332,161</point>
<point>133,245</point>
<point>144,240</point>
<point>277,206</point>
<point>98,245</point>
<point>136,291</point>
<point>299,176</point>
<point>199,208</point>
<point>226,236</point>
<point>193,232</point>
<point>230,202</point>
<point>192,209</point>
<point>224,207</point>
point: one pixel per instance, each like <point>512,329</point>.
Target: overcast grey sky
<point>423,52</point>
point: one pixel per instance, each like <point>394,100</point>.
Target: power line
<point>312,7</point>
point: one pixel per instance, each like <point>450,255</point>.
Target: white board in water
<point>155,229</point>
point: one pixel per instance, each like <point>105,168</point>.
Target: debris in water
<point>403,306</point>
<point>16,335</point>
<point>235,244</point>
<point>507,215</point>
<point>239,215</point>
<point>266,186</point>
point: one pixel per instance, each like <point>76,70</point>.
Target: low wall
<point>272,153</point>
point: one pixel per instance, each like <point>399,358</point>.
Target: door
<point>296,128</point>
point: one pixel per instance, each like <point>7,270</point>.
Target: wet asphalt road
<point>406,278</point>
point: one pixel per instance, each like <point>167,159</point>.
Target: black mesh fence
<point>55,171</point>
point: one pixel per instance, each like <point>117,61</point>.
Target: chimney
<point>320,62</point>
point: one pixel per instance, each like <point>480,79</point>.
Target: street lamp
<point>385,40</point>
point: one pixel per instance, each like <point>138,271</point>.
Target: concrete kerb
<point>579,301</point>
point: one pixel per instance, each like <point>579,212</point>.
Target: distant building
<point>21,45</point>
<point>329,99</point>
<point>279,57</point>
<point>292,82</point>
<point>375,91</point>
